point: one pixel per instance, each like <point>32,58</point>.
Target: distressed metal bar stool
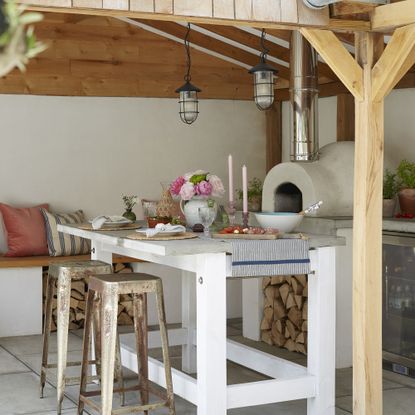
<point>61,275</point>
<point>108,288</point>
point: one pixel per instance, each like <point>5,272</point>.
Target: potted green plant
<point>129,203</point>
<point>406,183</point>
<point>389,193</point>
<point>254,195</point>
<point>18,43</point>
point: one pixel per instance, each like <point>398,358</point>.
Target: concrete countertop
<point>330,225</point>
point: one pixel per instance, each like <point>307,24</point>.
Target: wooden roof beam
<point>178,35</point>
<point>393,15</point>
<point>338,58</point>
<point>396,60</point>
<point>253,49</point>
<point>210,44</point>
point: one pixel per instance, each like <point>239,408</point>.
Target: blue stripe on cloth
<point>274,262</point>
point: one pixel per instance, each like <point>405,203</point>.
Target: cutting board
<point>267,236</point>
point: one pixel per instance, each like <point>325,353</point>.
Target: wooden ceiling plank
<point>223,9</point>
<point>243,9</point>
<point>338,58</point>
<point>93,4</point>
<point>395,61</point>
<point>163,6</point>
<point>146,6</point>
<point>202,8</point>
<point>247,39</point>
<point>393,15</point>
<point>116,4</point>
<point>211,44</point>
<point>289,13</point>
<point>201,11</point>
<point>347,8</point>
<point>265,11</point>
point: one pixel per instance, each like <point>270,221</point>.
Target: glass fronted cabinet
<point>399,303</point>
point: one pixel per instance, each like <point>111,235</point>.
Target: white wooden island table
<point>206,266</point>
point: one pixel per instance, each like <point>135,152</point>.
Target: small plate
<point>163,233</point>
<point>115,223</point>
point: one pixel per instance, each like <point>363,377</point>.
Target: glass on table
<point>207,215</point>
<point>149,210</point>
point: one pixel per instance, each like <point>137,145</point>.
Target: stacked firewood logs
<point>284,322</point>
<point>78,302</point>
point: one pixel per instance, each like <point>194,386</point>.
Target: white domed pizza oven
<point>291,187</point>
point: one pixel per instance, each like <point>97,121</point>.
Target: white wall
<point>87,152</point>
<point>399,125</point>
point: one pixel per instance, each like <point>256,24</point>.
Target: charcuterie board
<point>267,236</point>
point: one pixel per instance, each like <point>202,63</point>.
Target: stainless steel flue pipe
<point>303,99</point>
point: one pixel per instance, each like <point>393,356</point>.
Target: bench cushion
<point>61,244</point>
<point>25,230</point>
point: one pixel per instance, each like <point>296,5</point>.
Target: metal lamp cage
<point>189,103</point>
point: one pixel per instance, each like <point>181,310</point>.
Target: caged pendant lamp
<point>264,79</point>
<point>188,100</point>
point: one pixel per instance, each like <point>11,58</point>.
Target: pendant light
<point>188,101</point>
<point>264,79</point>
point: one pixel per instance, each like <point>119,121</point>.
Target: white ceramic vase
<point>191,207</point>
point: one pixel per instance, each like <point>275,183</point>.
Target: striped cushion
<point>62,244</point>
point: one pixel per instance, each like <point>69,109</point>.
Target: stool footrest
<point>125,409</point>
<point>75,380</point>
<point>68,364</point>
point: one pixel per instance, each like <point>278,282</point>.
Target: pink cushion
<point>26,234</point>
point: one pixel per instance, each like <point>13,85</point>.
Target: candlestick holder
<point>231,211</point>
<point>245,219</point>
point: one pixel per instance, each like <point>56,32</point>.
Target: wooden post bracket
<point>338,58</point>
<point>396,60</point>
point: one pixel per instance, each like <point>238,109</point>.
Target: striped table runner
<point>251,258</point>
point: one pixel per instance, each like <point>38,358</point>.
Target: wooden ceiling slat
<point>212,44</point>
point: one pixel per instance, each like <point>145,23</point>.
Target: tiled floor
<point>20,359</point>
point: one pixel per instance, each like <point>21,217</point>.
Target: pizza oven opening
<point>288,198</point>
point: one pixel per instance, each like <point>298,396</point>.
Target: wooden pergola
<point>127,48</point>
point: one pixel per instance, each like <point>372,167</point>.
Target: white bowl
<point>283,221</point>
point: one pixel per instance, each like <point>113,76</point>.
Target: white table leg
<point>99,254</point>
<point>189,321</point>
<point>211,335</point>
<point>252,307</point>
<point>321,330</point>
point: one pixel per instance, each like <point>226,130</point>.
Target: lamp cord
<point>265,50</point>
<point>188,77</point>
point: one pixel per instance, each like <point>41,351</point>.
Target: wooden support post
<point>345,117</point>
<point>367,237</point>
<point>274,135</point>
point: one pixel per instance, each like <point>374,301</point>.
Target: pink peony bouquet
<point>198,183</point>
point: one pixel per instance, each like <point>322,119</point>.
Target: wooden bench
<point>45,261</point>
<point>21,291</point>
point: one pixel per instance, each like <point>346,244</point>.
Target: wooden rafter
<point>338,58</point>
<point>398,57</point>
<point>212,44</point>
<point>345,8</point>
<point>393,15</point>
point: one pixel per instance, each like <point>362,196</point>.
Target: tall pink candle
<point>244,189</point>
<point>230,173</point>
